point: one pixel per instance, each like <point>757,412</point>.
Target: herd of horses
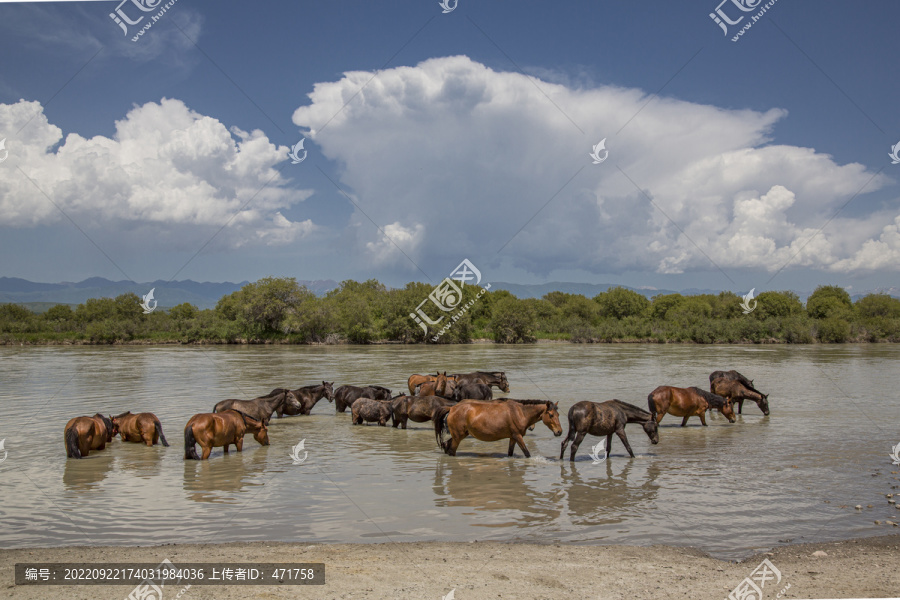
<point>459,405</point>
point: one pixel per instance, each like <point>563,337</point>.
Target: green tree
<point>662,303</point>
<point>829,301</point>
<point>878,305</point>
<point>619,302</point>
<point>513,321</point>
<point>777,304</point>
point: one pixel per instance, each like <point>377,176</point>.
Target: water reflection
<point>598,494</point>
<point>222,477</point>
<point>85,474</point>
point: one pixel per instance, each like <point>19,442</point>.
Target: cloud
<point>166,166</point>
<point>464,156</point>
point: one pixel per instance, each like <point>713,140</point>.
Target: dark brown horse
<point>211,430</point>
<point>370,411</point>
<point>418,409</point>
<point>491,378</point>
<point>687,403</point>
<point>733,376</point>
<point>141,428</point>
<point>473,391</point>
<point>307,397</point>
<point>280,399</point>
<point>83,434</point>
<point>737,392</point>
<point>346,395</point>
<point>492,421</point>
<point>606,418</point>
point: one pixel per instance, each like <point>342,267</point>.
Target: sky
<point>431,137</point>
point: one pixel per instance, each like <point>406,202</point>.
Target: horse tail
<point>189,452</point>
<point>72,450</point>
<point>162,437</point>
<point>651,403</point>
<point>440,426</point>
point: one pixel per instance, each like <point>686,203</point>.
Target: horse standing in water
<point>83,434</point>
<point>606,418</point>
<point>418,409</point>
<point>307,397</point>
<point>687,403</point>
<point>221,429</point>
<point>737,392</point>
<point>493,421</point>
<point>442,386</point>
<point>491,378</point>
<point>473,391</point>
<point>415,381</point>
<point>346,395</point>
<point>262,407</point>
<point>142,427</point>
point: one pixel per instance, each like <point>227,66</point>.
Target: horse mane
<point>245,415</point>
<point>275,392</point>
<point>377,387</point>
<point>632,409</point>
<point>714,400</point>
<point>548,402</point>
<point>124,414</point>
<point>106,421</point>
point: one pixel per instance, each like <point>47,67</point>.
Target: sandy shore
<point>864,568</point>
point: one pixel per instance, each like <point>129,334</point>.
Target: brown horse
<point>142,427</point>
<point>442,386</point>
<point>606,418</point>
<point>306,398</point>
<point>737,392</point>
<point>734,376</point>
<point>492,421</point>
<point>415,381</point>
<point>221,429</point>
<point>83,434</point>
<point>687,402</point>
<point>418,409</point>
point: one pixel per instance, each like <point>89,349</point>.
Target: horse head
<point>764,404</point>
<point>651,428</point>
<point>550,417</point>
<point>728,410</point>
<point>291,400</point>
<point>260,429</point>
<point>504,384</point>
<point>329,391</point>
<point>111,428</point>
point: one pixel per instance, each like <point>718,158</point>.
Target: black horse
<point>733,376</point>
<point>473,391</point>
<point>308,396</point>
<point>606,418</point>
<point>346,395</point>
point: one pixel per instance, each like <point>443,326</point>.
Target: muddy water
<point>728,489</point>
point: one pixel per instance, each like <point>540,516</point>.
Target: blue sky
<point>446,135</point>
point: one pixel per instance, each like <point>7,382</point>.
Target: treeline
<point>279,310</point>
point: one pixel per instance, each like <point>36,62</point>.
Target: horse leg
<point>578,438</point>
<point>684,420</point>
<point>205,452</point>
<point>521,441</point>
<point>225,448</point>
<point>512,446</point>
<point>239,443</point>
<point>454,444</point>
<point>702,418</point>
<point>621,434</point>
<point>740,404</point>
<point>565,442</point>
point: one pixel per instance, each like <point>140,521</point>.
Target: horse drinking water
<point>141,428</point>
<point>687,403</point>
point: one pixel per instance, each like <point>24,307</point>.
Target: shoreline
<point>857,568</point>
<point>481,341</point>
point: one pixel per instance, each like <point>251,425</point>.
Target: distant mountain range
<point>207,294</point>
<point>201,294</point>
